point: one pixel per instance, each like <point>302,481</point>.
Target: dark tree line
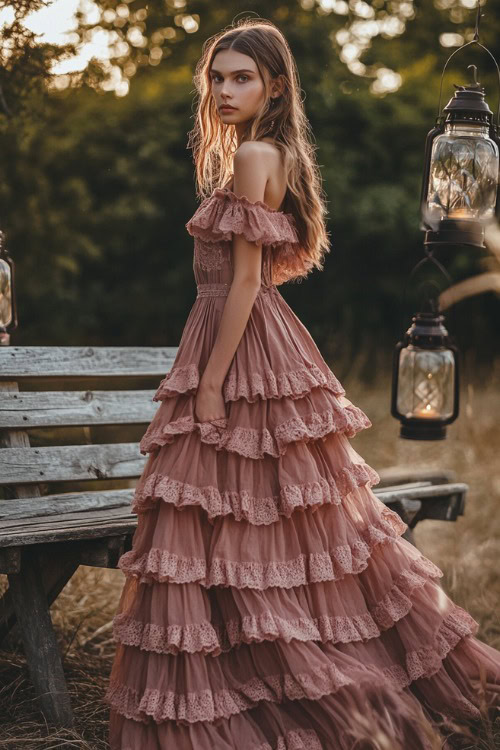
<point>96,188</point>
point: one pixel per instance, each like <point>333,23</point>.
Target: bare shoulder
<point>258,172</point>
<point>252,149</point>
<point>250,170</point>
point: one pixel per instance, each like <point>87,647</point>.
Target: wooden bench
<point>59,503</point>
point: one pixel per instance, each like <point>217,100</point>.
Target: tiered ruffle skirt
<point>270,601</point>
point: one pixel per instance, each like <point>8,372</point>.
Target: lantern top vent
<point>468,102</point>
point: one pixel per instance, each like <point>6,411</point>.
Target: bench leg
<point>40,643</point>
<point>55,579</point>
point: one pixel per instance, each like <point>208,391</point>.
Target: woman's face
<point>237,82</point>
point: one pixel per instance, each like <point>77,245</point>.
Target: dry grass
<point>467,551</point>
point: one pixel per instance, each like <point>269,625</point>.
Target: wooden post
<point>39,639</point>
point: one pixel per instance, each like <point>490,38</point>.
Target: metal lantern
<point>425,383</point>
<point>461,170</point>
<point>461,174</point>
<point>8,311</point>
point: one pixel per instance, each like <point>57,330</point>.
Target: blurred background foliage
<point>96,186</point>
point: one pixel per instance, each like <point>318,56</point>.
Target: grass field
<point>467,551</point>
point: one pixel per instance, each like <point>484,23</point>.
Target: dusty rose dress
<point>270,601</point>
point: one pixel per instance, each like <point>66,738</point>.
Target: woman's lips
<point>228,109</point>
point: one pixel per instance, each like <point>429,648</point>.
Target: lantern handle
<point>475,40</point>
<point>428,257</point>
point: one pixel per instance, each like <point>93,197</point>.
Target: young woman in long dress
<point>270,600</point>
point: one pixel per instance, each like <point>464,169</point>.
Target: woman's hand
<point>209,403</point>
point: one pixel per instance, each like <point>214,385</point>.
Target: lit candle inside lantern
<point>458,212</point>
<point>428,411</point>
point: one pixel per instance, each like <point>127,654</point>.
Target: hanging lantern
<point>461,172</point>
<point>8,313</point>
<point>425,382</point>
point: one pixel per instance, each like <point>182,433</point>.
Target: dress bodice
<point>225,214</point>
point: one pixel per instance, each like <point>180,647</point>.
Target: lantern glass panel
<point>463,173</point>
<point>5,293</point>
<point>426,382</point>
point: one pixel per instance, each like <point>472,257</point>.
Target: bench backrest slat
<point>27,409</point>
<point>84,361</point>
<point>70,463</point>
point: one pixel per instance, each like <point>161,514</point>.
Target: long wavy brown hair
<point>213,142</point>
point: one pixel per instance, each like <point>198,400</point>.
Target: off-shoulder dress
<point>270,601</point>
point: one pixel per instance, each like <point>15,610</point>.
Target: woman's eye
<point>242,75</point>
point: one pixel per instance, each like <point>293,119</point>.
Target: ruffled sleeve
<point>225,214</point>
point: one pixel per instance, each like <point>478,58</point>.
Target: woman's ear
<point>277,86</point>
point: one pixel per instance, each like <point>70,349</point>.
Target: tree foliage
<point>96,189</point>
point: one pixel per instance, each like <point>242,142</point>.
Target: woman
<point>270,600</point>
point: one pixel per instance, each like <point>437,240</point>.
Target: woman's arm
<point>250,178</point>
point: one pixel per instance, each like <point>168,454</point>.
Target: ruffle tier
<point>268,383</point>
<point>180,546</point>
<point>190,687</point>
<point>338,719</point>
<point>243,505</point>
<point>224,214</point>
<point>308,475</point>
<point>256,429</point>
<point>276,356</point>
<point>189,617</point>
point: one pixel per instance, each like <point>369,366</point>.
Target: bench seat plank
<point>108,521</point>
<point>68,502</point>
<point>116,521</point>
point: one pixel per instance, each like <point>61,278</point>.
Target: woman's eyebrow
<point>243,70</point>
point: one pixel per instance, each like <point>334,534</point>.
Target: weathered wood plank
<point>85,361</point>
<point>74,502</point>
<point>108,528</point>
<point>67,502</point>
<point>392,494</point>
<point>29,409</point>
<point>64,521</point>
<point>94,523</point>
<point>70,462</point>
<point>391,475</point>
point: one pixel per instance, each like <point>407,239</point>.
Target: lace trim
<point>243,506</point>
<point>224,214</point>
<point>162,565</point>
<point>427,660</point>
<point>207,705</point>
<point>266,384</point>
<point>228,193</point>
<point>218,221</point>
<point>254,443</point>
<point>213,638</point>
